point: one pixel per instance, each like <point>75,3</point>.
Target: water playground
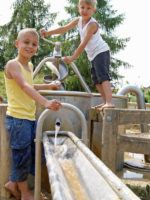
<point>84,147</point>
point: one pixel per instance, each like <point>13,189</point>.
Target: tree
<point>27,13</point>
<point>147,96</point>
<point>108,20</point>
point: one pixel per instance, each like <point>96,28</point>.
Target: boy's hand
<point>43,33</point>
<point>53,105</point>
<point>68,59</point>
<point>53,85</point>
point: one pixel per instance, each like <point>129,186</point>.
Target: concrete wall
<point>5,153</point>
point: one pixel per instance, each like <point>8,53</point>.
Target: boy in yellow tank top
<point>20,119</point>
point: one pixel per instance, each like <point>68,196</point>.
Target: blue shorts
<point>100,68</point>
<point>22,134</point>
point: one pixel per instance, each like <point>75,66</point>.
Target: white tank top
<point>96,44</point>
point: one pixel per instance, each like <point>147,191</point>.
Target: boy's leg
<point>100,77</point>
<point>12,187</point>
<point>26,194</point>
<point>100,90</point>
<point>108,94</point>
<point>20,141</point>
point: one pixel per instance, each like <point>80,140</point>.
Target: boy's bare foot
<point>29,195</point>
<point>13,189</point>
<point>43,197</point>
<point>108,106</point>
<point>98,106</point>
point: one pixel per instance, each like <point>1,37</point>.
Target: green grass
<point>2,85</point>
<point>38,78</point>
<point>142,192</point>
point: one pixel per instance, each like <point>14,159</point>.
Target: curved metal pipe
<point>41,119</point>
<point>139,97</point>
<point>137,91</point>
<point>37,69</point>
<point>75,69</point>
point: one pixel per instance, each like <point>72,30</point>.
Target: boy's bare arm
<point>50,86</point>
<point>91,29</point>
<point>61,29</point>
<point>12,71</point>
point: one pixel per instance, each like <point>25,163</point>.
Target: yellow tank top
<point>20,105</point>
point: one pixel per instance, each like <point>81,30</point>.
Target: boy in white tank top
<point>96,48</point>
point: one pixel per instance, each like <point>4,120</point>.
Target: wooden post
<point>114,144</point>
<point>5,153</point>
<point>96,131</point>
<point>109,139</point>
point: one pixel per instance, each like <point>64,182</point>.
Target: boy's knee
<point>21,161</point>
<point>21,157</point>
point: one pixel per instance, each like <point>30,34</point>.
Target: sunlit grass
<point>2,84</point>
<point>142,192</point>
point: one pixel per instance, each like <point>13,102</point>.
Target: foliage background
<point>35,14</point>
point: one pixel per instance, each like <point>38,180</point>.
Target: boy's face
<point>86,10</point>
<point>27,44</point>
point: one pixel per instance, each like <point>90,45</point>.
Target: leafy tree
<point>35,14</point>
<point>108,20</point>
<point>147,96</point>
<point>27,13</point>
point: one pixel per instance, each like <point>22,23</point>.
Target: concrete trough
<point>76,173</point>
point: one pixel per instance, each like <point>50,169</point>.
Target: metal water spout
<point>57,128</point>
<point>137,91</point>
<point>58,122</point>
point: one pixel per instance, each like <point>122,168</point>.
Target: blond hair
<point>27,30</point>
<point>90,2</point>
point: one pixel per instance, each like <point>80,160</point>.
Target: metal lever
<point>57,49</point>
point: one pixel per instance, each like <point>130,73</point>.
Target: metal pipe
<point>49,41</point>
<point>37,69</point>
<point>137,91</point>
<point>57,57</point>
<point>41,119</point>
<point>57,128</point>
<point>52,59</point>
<point>83,83</point>
<point>65,93</point>
<point>57,122</point>
<point>139,97</point>
<point>57,49</point>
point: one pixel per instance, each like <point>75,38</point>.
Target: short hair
<point>28,30</point>
<point>90,2</point>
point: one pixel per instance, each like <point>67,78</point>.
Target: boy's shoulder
<point>75,21</point>
<point>10,67</point>
<point>11,62</point>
